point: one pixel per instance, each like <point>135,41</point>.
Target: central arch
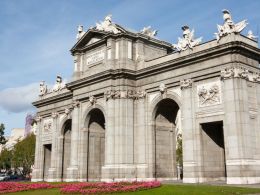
<point>165,132</point>
<point>96,144</point>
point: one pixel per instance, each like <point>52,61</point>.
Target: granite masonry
<point>116,119</point>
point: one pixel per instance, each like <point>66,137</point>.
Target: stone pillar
<point>238,134</point>
<point>188,134</point>
<point>72,171</point>
<point>59,157</point>
<point>37,174</point>
<point>83,160</point>
<point>140,138</point>
<point>52,172</point>
<point>119,139</point>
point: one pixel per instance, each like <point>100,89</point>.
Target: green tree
<point>2,138</point>
<point>23,154</point>
<point>179,156</point>
<point>5,159</point>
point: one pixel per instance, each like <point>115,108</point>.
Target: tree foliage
<point>2,138</point>
<point>5,159</point>
<point>179,156</point>
<point>23,154</point>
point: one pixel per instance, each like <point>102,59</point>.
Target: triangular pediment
<point>90,37</point>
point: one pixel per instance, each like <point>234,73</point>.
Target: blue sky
<point>36,36</point>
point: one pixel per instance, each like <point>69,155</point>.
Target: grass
<point>168,190</point>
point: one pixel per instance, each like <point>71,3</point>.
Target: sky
<point>36,36</point>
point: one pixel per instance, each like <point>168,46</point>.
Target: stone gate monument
<point>117,118</point>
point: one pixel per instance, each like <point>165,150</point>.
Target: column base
<point>243,180</point>
<point>36,175</point>
<point>119,172</point>
<point>72,174</point>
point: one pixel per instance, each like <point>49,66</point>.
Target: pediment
<point>90,37</point>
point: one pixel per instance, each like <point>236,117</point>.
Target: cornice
<point>53,99</point>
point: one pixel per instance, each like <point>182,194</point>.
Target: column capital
<point>75,103</point>
<point>54,115</point>
<point>185,83</point>
<point>38,118</point>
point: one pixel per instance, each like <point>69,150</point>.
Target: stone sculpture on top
<point>229,26</point>
<point>187,41</point>
<point>59,85</point>
<point>43,88</point>
<point>149,32</point>
<point>107,25</point>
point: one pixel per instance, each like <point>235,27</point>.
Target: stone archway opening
<point>96,144</point>
<point>47,160</point>
<point>165,137</point>
<point>66,148</point>
<point>213,150</point>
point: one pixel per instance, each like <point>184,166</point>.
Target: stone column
<point>37,174</point>
<point>52,172</point>
<point>83,160</point>
<point>240,164</point>
<point>59,157</point>
<point>188,134</point>
<point>119,138</point>
<point>140,138</point>
<point>72,171</point>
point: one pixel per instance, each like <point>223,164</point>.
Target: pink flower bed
<point>8,187</point>
<point>98,188</point>
<point>83,188</point>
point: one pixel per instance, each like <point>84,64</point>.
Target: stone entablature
<point>127,94</point>
<point>240,72</point>
<point>119,117</point>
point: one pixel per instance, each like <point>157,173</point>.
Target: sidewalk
<point>215,183</point>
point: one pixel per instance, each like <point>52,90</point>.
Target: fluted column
<point>119,157</point>
<point>52,172</point>
<point>37,174</point>
<point>189,141</point>
<point>72,171</point>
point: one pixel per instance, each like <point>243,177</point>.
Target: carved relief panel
<point>47,124</point>
<point>209,94</point>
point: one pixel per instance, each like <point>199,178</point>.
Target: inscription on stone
<point>95,57</point>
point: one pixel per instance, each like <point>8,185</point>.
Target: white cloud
<point>19,99</point>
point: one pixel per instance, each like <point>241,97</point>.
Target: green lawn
<point>169,190</point>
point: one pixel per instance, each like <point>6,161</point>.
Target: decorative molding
<point>128,94</point>
<point>163,88</point>
<point>186,83</point>
<point>54,115</point>
<point>240,72</point>
<point>227,73</point>
<point>38,118</point>
<point>75,103</point>
<point>67,111</point>
<point>209,94</point>
<point>256,77</point>
<point>92,100</point>
<point>47,124</point>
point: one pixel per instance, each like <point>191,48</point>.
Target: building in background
<point>16,135</point>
